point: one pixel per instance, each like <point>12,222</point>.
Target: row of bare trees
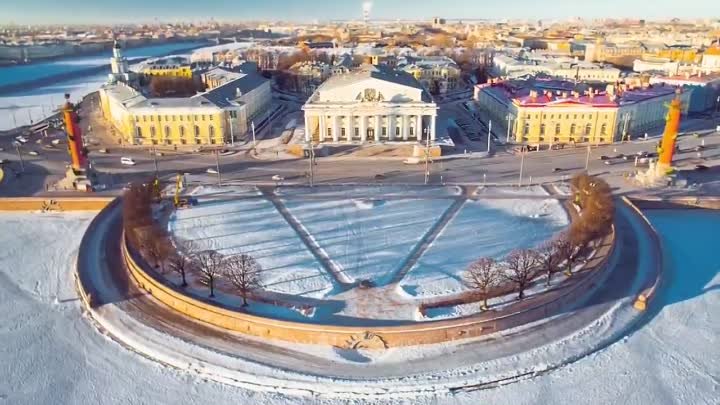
<point>521,266</point>
<point>153,242</point>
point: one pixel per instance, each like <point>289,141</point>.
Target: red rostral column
<point>74,135</point>
<point>672,126</point>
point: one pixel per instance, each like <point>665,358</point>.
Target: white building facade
<point>371,105</point>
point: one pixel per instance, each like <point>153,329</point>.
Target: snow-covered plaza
<point>55,352</point>
<point>416,241</point>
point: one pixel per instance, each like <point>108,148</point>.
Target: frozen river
<point>51,353</point>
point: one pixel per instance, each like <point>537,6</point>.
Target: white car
<point>55,142</point>
<point>103,150</point>
<point>127,161</point>
<point>21,139</point>
<point>211,171</point>
<point>33,153</point>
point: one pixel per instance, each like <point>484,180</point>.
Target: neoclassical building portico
<point>370,105</point>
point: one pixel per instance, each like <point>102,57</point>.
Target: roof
<point>374,72</point>
<point>223,95</point>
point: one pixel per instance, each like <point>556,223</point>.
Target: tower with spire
<point>119,65</point>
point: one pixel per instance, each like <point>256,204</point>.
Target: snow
<point>248,223</point>
<point>369,239</point>
<point>486,227</point>
<point>52,354</point>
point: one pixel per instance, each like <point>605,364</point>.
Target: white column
<point>349,128</point>
<point>405,127</point>
<point>363,128</point>
<point>322,130</point>
<point>418,127</point>
<point>391,127</point>
<point>378,127</point>
<point>336,128</point>
<point>432,127</point>
<point>307,128</point>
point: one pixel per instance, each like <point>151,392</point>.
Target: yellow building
<point>211,118</point>
<point>175,66</point>
<point>548,112</point>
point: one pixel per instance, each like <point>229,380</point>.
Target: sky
<point>119,11</point>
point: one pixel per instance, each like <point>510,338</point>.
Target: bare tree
<point>182,259</point>
<point>210,265</point>
<point>155,244</point>
<point>243,272</point>
<point>482,275</point>
<point>549,259</point>
<point>521,265</point>
<point>566,251</point>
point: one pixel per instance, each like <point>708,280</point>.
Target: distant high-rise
<point>366,8</point>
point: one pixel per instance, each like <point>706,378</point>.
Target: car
<point>699,148</point>
<point>604,157</point>
<point>33,153</point>
<point>608,162</point>
<point>3,161</point>
<point>2,149</point>
<point>127,161</point>
<point>618,156</point>
<point>557,169</point>
<point>701,168</point>
<point>103,150</point>
<point>642,154</point>
<point>21,139</point>
<point>211,170</point>
<point>379,177</point>
<point>55,141</point>
<point>277,177</point>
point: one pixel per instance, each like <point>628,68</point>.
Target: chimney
<point>533,95</point>
<point>565,94</point>
<point>238,92</point>
<point>610,90</point>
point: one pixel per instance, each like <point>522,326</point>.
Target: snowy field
<point>52,354</point>
<point>369,239</point>
<point>487,227</point>
<point>248,223</point>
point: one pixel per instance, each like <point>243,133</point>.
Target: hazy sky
<point>104,11</point>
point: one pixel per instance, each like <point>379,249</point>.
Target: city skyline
<point>104,12</point>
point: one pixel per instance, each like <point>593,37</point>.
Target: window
<point>397,131</point>
<point>526,128</point>
<point>342,131</point>
<point>144,118</point>
<point>412,131</point>
<point>139,132</point>
<point>197,131</point>
<point>588,129</point>
<point>572,129</point>
<point>384,131</point>
<point>603,129</point>
<point>152,132</point>
<point>182,132</point>
<point>203,117</point>
<point>210,117</point>
<point>152,118</point>
<point>542,129</point>
<point>557,129</point>
<point>357,132</point>
<point>211,130</point>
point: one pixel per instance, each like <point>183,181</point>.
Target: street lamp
<point>427,156</point>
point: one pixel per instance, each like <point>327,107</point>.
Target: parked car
<point>127,161</point>
<point>103,150</point>
<point>603,157</point>
<point>33,153</point>
<point>557,169</point>
<point>21,139</point>
<point>701,168</point>
<point>211,170</point>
